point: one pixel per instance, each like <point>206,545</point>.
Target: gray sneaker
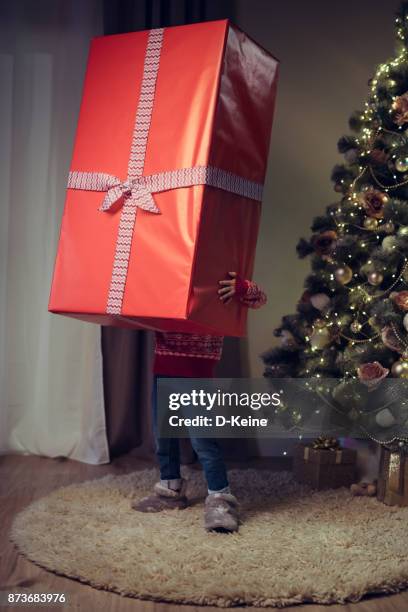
<point>221,513</point>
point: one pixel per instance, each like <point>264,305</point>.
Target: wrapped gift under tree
<point>165,185</point>
<point>323,464</point>
<point>392,486</point>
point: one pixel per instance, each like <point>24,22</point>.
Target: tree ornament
<point>373,201</point>
<point>403,230</point>
<point>388,227</point>
<point>405,321</point>
<point>343,275</point>
<point>338,188</point>
<point>401,164</point>
<point>370,223</point>
<point>400,369</point>
<point>385,418</point>
<point>400,108</point>
<point>400,299</point>
<point>388,243</point>
<point>389,338</point>
<point>318,323</point>
<point>371,374</point>
<point>325,242</point>
<point>375,278</point>
<point>320,301</point>
<point>356,326</point>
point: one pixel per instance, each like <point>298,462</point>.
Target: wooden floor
<point>26,478</point>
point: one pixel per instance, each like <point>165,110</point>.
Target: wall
<point>328,51</point>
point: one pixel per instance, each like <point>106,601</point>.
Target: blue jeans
<point>207,449</point>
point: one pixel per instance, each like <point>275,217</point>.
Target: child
<point>195,356</point>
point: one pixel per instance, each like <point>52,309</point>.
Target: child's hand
<point>228,290</point>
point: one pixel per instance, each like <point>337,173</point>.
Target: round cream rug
<point>294,546</point>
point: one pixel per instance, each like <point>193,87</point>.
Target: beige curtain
<point>51,400</point>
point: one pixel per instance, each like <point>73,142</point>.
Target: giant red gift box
<point>165,185</point>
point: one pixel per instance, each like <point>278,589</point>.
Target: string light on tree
<point>359,248</point>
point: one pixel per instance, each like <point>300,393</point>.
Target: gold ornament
<point>319,323</point>
<point>388,244</point>
<point>370,223</point>
<point>400,369</point>
<point>356,327</point>
<point>388,227</point>
<point>375,278</point>
<point>401,164</point>
<point>343,275</point>
<point>403,230</point>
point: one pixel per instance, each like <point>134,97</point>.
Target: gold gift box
<point>324,468</point>
<point>392,487</point>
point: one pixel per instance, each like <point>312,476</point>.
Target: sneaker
<point>221,513</point>
<point>163,498</point>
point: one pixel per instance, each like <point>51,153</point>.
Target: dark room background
<point>92,386</point>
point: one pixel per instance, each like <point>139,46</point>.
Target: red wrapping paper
<point>213,105</point>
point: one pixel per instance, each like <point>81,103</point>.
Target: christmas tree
<point>351,322</point>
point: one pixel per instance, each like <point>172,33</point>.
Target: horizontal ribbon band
<point>140,189</point>
<point>136,190</point>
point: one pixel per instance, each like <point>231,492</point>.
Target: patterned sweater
<point>181,354</point>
